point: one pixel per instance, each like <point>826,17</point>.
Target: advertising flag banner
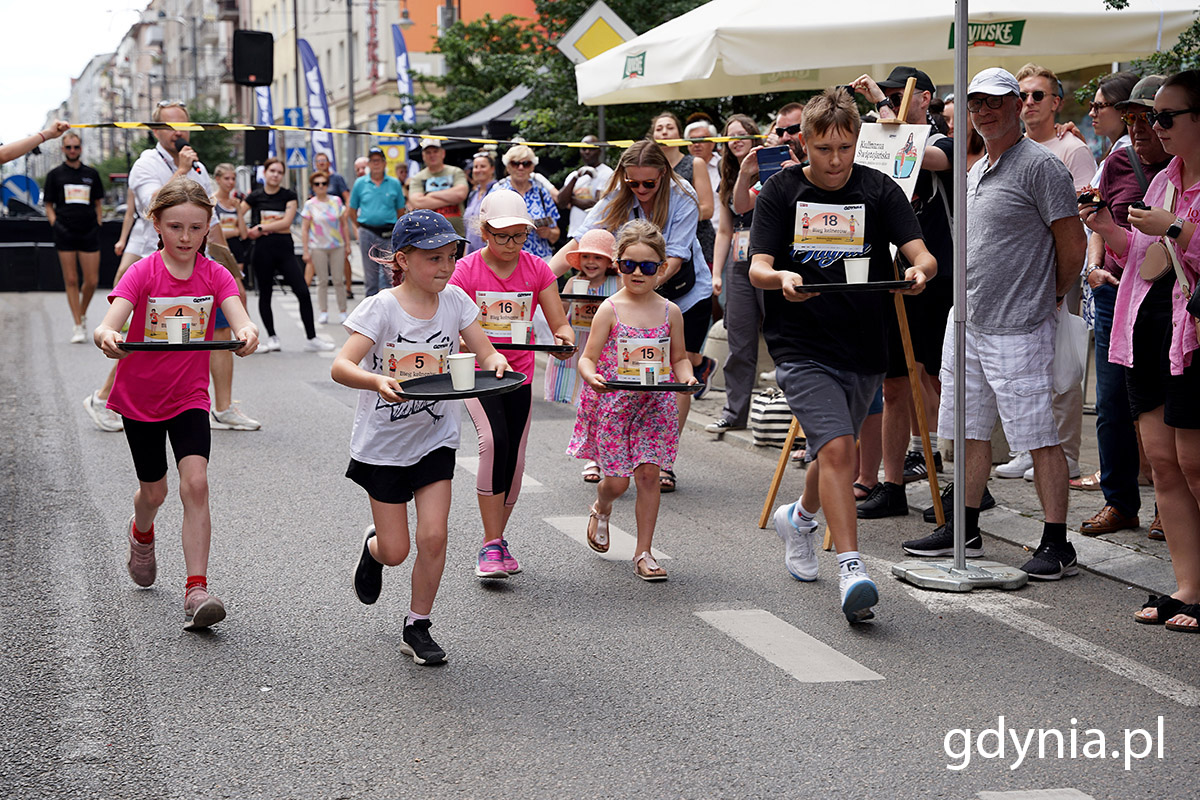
<point>265,116</point>
<point>404,85</point>
<point>318,104</point>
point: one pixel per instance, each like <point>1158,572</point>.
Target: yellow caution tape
<point>240,126</point>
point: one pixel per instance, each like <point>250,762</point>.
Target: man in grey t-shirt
<point>1024,247</point>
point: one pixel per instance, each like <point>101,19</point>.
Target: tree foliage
<point>212,146</point>
<point>485,59</point>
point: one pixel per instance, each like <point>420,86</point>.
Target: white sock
<point>915,445</point>
<point>802,518</point>
<point>413,617</point>
<point>849,561</point>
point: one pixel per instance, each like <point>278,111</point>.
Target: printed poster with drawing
<point>406,360</point>
<point>631,350</point>
<point>894,150</point>
<point>498,309</point>
<point>827,228</point>
<point>199,309</point>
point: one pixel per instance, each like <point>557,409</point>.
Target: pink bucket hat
<point>598,242</point>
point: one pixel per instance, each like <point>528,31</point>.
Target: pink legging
<point>502,424</point>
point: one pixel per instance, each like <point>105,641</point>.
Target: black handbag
<point>680,283</point>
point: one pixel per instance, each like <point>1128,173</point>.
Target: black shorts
<point>927,314</point>
<point>1149,382</point>
<point>68,241</point>
<point>189,434</point>
<point>696,321</point>
<point>398,485</point>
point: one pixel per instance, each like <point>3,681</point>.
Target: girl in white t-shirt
<point>404,449</point>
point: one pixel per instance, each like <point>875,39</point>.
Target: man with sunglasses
<point>788,131</point>
<point>439,186</point>
<point>1041,98</point>
<point>1024,248</point>
<point>73,194</point>
<point>1126,176</point>
<point>903,457</point>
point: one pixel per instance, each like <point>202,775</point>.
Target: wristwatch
<point>1176,228</point>
<point>884,102</point>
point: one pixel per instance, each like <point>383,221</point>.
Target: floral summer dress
<point>621,429</point>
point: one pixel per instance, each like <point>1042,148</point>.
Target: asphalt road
<point>571,680</point>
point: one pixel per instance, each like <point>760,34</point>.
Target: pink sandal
<point>597,530</point>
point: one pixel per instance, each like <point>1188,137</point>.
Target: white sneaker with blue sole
<point>859,594</point>
<point>799,545</point>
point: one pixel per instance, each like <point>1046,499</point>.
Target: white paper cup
<point>648,371</point>
<point>857,269</point>
<point>462,371</point>
<point>580,286</point>
<point>179,329</point>
<point>520,332</point>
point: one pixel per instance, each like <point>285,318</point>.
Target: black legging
<point>275,253</point>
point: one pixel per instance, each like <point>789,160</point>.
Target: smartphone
<point>770,160</point>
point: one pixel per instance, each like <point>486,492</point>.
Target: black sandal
<point>1166,606</point>
<point>666,481</point>
<point>1188,609</point>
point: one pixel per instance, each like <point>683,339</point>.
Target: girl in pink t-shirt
<point>165,395</point>
<point>500,278</point>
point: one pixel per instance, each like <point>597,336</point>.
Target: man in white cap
<point>1024,248</point>
<point>439,187</point>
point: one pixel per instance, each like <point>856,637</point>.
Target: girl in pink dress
<point>629,432</point>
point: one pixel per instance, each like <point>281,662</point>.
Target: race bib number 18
<point>828,228</point>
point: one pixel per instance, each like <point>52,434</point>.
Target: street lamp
<point>406,21</point>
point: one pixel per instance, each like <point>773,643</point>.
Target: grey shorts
<point>827,402</point>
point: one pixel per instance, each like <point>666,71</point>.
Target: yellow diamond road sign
<point>597,31</point>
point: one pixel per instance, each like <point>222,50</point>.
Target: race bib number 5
<point>404,362</point>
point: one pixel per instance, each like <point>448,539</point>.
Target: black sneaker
<point>914,465</point>
<point>948,503</point>
<point>1051,562</point>
<point>417,642</point>
<point>885,500</point>
<point>703,372</point>
<point>368,573</point>
<point>941,543</point>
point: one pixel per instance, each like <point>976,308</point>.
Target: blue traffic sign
<point>389,122</point>
<point>23,189</point>
<point>293,117</point>
<point>297,157</point>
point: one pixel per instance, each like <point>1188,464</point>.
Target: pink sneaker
<point>491,561</point>
<point>201,609</point>
<point>510,564</point>
<point>141,563</point>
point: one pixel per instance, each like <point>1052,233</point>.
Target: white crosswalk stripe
<point>806,659</point>
<point>620,544</point>
<point>528,484</point>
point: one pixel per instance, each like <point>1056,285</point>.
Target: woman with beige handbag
<point>1155,338</point>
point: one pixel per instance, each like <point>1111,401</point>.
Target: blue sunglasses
<point>647,267</point>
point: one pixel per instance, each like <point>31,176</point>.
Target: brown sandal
<point>1088,483</point>
<point>597,530</point>
<point>647,568</point>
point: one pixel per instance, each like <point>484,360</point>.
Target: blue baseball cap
<point>423,229</point>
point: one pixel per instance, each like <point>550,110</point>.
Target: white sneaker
<point>859,594</point>
<point>78,334</point>
<point>232,419</point>
<point>799,546</point>
<point>1072,470</point>
<point>315,345</point>
<point>271,345</point>
<point>322,318</point>
<point>1016,468</point>
<point>343,316</point>
<point>105,418</point>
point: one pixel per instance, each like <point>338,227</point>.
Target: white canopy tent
<point>738,47</point>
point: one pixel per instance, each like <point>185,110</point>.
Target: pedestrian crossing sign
<point>297,157</point>
<point>389,123</point>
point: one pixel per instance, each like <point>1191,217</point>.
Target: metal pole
<point>353,141</point>
<point>960,286</point>
<point>195,62</point>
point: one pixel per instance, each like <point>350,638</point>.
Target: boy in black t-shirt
<point>830,349</point>
<point>73,193</point>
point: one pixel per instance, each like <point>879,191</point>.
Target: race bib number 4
<point>498,309</point>
<point>631,350</point>
<point>197,309</point>
<point>404,361</point>
<point>828,228</point>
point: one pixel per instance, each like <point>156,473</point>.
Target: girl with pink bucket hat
<point>593,261</point>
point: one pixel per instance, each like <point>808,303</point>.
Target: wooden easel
<point>914,381</point>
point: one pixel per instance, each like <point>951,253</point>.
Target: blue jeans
<point>1115,433</point>
<point>375,275</point>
